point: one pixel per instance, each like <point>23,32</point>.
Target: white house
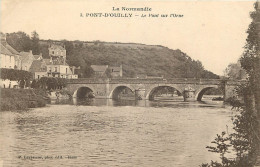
<point>7,59</point>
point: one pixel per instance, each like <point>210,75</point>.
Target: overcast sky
<point>212,32</point>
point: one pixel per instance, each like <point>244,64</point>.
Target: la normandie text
<point>132,9</point>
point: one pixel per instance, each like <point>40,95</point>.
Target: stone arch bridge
<point>193,89</point>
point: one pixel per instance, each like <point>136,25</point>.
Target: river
<point>102,133</point>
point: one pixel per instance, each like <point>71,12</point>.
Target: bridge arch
<point>116,90</point>
<point>200,92</point>
<point>83,91</point>
<point>150,94</point>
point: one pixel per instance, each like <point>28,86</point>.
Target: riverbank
<point>22,99</point>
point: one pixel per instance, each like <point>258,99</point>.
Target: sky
<point>213,32</point>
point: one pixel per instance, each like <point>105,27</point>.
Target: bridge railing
<point>87,80</point>
<point>149,81</point>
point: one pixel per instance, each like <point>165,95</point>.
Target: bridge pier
<point>140,94</point>
<point>189,94</point>
<point>229,91</point>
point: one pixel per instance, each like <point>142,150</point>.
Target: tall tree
<point>250,61</point>
<point>35,43</point>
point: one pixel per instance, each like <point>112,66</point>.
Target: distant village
<point>55,66</point>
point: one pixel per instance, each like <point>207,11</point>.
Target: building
<point>7,55</point>
<point>39,69</point>
<point>59,69</point>
<point>17,57</point>
<point>57,52</point>
<point>116,71</point>
<point>27,59</point>
<point>107,71</point>
<point>10,59</point>
<point>55,66</point>
<point>99,70</point>
<point>7,58</point>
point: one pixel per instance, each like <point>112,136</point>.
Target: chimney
<point>30,51</point>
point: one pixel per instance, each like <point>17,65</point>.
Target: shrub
<point>21,99</point>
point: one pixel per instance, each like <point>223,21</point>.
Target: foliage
<point>20,99</point>
<point>88,72</point>
<point>135,58</point>
<point>50,83</point>
<point>35,47</point>
<point>246,138</point>
<point>15,75</point>
<point>108,73</point>
<point>223,144</point>
<point>235,71</point>
<point>241,141</point>
<point>20,41</point>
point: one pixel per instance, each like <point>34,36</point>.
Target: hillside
<point>137,59</point>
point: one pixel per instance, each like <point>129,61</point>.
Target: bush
<point>21,99</point>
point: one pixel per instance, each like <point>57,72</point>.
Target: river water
<point>102,133</point>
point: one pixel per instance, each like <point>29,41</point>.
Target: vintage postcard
<point>123,83</point>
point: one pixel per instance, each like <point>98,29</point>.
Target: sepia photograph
<point>119,83</point>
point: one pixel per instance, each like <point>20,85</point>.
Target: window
<point>66,70</point>
<point>49,69</point>
<point>52,52</point>
<point>38,76</point>
<point>55,69</point>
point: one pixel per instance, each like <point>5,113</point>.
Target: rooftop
<point>4,50</point>
<point>38,66</point>
<point>99,68</point>
<point>55,46</point>
<point>11,49</point>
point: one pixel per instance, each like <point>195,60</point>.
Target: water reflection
<point>139,103</point>
<point>143,133</point>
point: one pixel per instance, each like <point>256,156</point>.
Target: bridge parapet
<point>88,81</point>
<point>153,81</point>
<point>194,81</point>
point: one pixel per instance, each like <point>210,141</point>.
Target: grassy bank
<point>21,99</point>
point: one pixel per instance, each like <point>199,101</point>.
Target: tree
<point>34,84</point>
<point>250,61</point>
<point>20,41</point>
<point>88,71</point>
<point>246,138</point>
<point>35,43</point>
<point>235,71</point>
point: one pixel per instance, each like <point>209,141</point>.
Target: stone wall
<point>104,88</point>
